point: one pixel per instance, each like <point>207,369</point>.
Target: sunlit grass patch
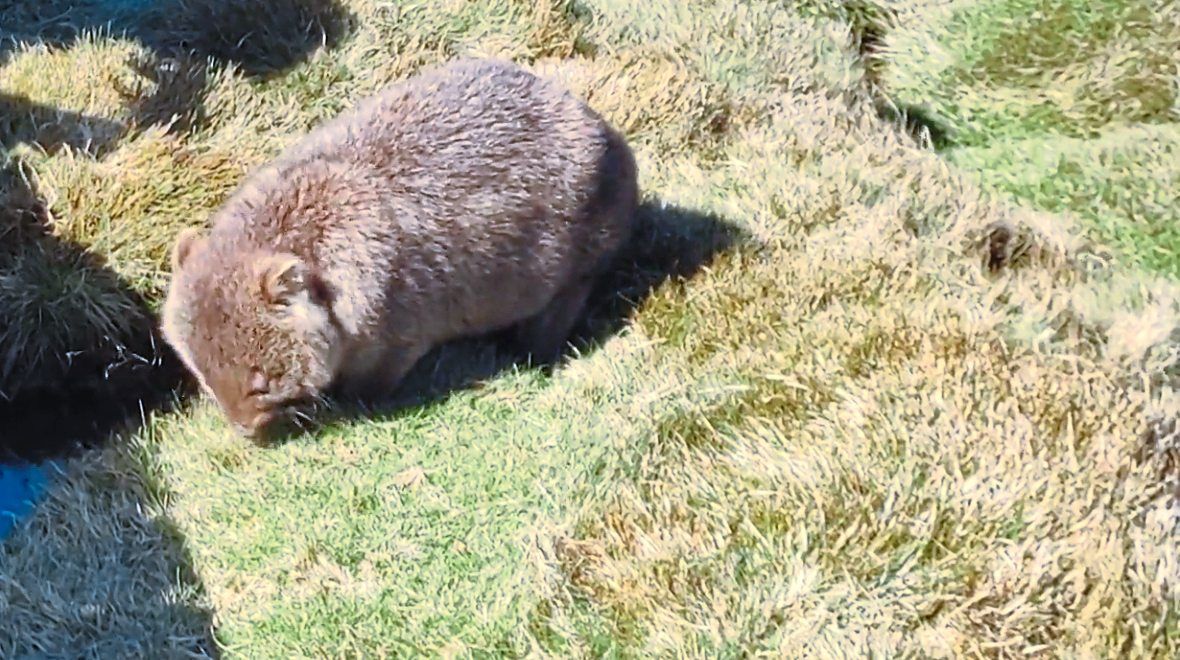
<point>1125,184</point>
<point>1067,106</point>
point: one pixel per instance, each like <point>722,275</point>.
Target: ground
<point>889,369</point>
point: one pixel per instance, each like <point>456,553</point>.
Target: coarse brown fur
<point>473,197</point>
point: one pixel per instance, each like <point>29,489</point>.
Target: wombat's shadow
<point>669,242</point>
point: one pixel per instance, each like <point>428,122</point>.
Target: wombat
<point>470,198</point>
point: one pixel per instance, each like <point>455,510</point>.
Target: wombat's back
<point>473,138</point>
<point>502,186</point>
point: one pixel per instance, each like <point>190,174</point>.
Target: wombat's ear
<point>187,242</point>
<point>282,276</point>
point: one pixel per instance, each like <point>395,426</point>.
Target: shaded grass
<point>100,569</point>
<point>79,355</point>
<point>807,418</point>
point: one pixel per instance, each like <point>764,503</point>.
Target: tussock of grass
<point>1012,67</point>
<point>1124,183</point>
<point>45,289</point>
<point>861,405</point>
<point>130,205</point>
<point>46,78</point>
<point>1068,106</point>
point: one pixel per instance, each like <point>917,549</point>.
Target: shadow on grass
<point>93,573</point>
<point>24,121</point>
<point>79,354</point>
<point>868,22</point>
<point>669,242</point>
<point>260,37</point>
<point>184,38</point>
<point>918,122</point>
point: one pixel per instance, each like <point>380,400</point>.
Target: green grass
<point>1123,184</point>
<point>1066,105</point>
<point>842,433</point>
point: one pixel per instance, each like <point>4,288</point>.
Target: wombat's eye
<point>258,384</point>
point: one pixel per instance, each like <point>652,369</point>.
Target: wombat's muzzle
<point>270,426</point>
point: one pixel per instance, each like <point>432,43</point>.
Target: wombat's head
<point>254,328</point>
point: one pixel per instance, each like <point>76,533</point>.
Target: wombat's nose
<point>260,424</point>
<point>262,419</point>
<point>264,427</point>
<point>255,428</point>
<point>246,430</point>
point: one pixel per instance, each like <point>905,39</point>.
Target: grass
<point>1069,106</point>
<point>825,426</point>
<point>1123,185</point>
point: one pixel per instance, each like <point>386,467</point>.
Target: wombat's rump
<point>470,198</point>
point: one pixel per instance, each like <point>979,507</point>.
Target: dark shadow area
<point>868,34</point>
<point>72,371</point>
<point>918,122</point>
<point>95,573</point>
<point>868,28</point>
<point>24,121</point>
<point>92,573</point>
<point>260,37</point>
<point>185,39</point>
<point>669,243</point>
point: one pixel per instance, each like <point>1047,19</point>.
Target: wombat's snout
<point>267,426</point>
<point>257,427</point>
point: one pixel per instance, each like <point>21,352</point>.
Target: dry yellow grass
<point>846,435</point>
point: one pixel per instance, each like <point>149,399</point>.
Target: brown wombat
<point>470,198</point>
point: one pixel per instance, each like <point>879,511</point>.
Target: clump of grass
<point>651,97</point>
<point>57,301</point>
<point>1010,68</point>
<point>996,81</point>
<point>130,205</point>
<point>53,303</point>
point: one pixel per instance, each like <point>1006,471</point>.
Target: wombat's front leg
<point>382,372</point>
<point>544,337</point>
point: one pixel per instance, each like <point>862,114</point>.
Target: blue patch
<point>20,488</point>
<point>123,5</point>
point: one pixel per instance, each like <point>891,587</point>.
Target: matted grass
<point>843,433</point>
